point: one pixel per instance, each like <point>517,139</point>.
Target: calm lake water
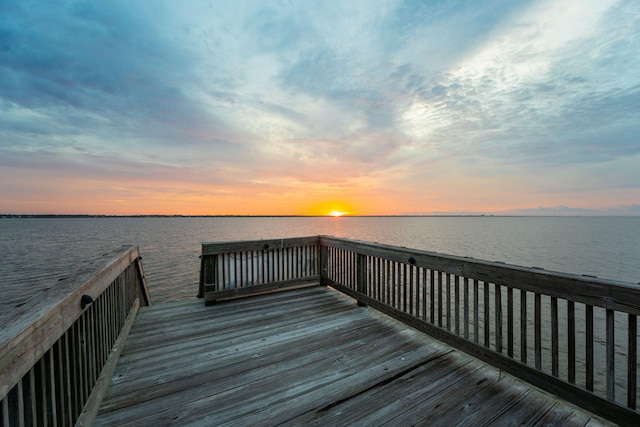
<point>37,252</point>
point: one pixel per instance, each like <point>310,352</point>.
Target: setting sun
<point>333,208</point>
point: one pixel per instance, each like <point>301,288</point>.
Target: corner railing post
<point>201,281</point>
<point>143,289</point>
<point>324,264</point>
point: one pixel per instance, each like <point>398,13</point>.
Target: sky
<point>308,107</point>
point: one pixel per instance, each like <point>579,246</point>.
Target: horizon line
<point>51,215</point>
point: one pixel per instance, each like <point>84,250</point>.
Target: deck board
<point>308,356</point>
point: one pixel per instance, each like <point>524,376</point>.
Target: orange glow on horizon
<point>332,208</point>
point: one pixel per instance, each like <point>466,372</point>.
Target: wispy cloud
<point>399,106</point>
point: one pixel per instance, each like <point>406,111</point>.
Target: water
<point>37,252</point>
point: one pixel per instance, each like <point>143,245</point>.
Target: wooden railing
<point>58,350</point>
<point>574,336</point>
<point>233,269</point>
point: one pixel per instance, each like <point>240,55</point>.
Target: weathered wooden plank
<point>448,302</point>
<point>39,395</point>
<point>433,295</point>
<point>632,367</point>
<point>476,312</point>
<point>538,330</point>
<point>424,385</point>
<point>561,415</point>
<point>523,327</point>
<point>466,308</point>
<point>510,332</point>
<point>142,280</point>
<point>4,411</point>
<point>571,341</point>
<point>32,396</point>
<point>589,347</point>
<point>440,298</point>
<point>481,405</point>
<point>555,354</point>
<point>498,317</point>
<point>486,308</point>
<point>257,245</point>
<point>457,304</point>
<point>361,273</point>
<point>212,296</point>
<point>346,385</point>
<point>610,345</point>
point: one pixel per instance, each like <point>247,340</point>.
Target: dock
<point>324,331</point>
<point>308,357</point>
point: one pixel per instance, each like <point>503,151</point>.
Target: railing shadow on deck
<point>57,350</point>
<point>574,336</point>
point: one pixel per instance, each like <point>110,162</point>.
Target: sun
<point>332,208</point>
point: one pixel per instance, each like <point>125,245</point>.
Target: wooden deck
<point>308,357</point>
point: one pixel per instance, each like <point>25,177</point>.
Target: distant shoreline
<point>236,216</point>
<point>68,216</point>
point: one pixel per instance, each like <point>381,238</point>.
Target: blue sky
<point>292,107</point>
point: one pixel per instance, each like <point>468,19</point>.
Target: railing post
<point>324,264</point>
<point>361,276</point>
<point>201,281</point>
<point>142,289</point>
<point>209,276</point>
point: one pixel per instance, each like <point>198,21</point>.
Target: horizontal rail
<point>257,245</point>
<point>574,336</point>
<point>53,349</point>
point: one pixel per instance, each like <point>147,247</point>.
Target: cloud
<point>528,97</point>
<point>103,65</point>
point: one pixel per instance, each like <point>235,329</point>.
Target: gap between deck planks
<point>308,356</point>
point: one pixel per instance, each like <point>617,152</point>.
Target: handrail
<point>54,348</point>
<point>574,336</point>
